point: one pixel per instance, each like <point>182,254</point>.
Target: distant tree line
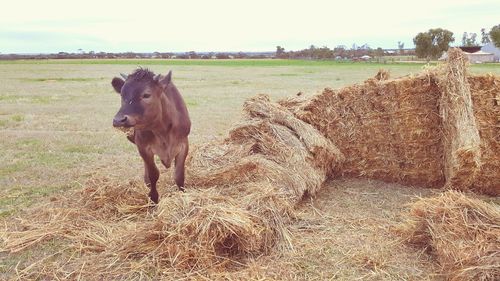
<point>132,55</point>
<point>214,55</point>
<point>83,55</point>
<point>339,52</point>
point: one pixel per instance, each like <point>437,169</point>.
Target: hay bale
<point>485,91</point>
<point>462,153</point>
<point>461,232</point>
<point>389,130</point>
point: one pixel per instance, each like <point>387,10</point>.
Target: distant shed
<point>480,57</point>
<point>476,57</point>
<point>491,48</point>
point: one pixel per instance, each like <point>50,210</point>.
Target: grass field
<point>55,131</point>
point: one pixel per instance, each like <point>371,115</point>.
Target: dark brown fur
<point>153,106</point>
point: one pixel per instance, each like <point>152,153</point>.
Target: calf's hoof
<point>181,188</point>
<point>154,197</point>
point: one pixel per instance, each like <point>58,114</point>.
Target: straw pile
<point>271,145</point>
<point>439,128</point>
<point>461,232</point>
<point>239,205</point>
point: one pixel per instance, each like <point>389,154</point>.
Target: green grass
<point>59,79</point>
<point>31,256</point>
<point>20,197</point>
<point>10,168</point>
<point>29,143</point>
<point>82,149</point>
<point>191,102</point>
<point>37,99</point>
<point>17,118</point>
<point>289,74</point>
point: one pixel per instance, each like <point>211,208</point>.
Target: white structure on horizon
<point>488,53</point>
<point>480,57</point>
<point>490,48</point>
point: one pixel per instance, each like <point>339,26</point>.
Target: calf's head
<point>141,93</point>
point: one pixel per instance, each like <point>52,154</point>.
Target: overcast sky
<point>35,26</point>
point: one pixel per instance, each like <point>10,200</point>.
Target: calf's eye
<point>146,96</point>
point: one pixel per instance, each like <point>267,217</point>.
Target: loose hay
<point>196,229</point>
<point>463,233</point>
<point>114,234</point>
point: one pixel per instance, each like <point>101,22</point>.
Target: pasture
<point>55,130</point>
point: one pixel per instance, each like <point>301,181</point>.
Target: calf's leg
<point>151,174</point>
<point>180,160</point>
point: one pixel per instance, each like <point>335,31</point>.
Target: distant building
<point>480,57</point>
<point>490,48</point>
<point>476,54</point>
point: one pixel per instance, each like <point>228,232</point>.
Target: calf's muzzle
<point>120,121</point>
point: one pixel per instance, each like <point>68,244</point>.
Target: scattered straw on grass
<point>462,232</point>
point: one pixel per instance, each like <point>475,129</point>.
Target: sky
<point>49,26</point>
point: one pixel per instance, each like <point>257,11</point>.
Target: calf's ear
<point>167,79</point>
<point>117,84</point>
